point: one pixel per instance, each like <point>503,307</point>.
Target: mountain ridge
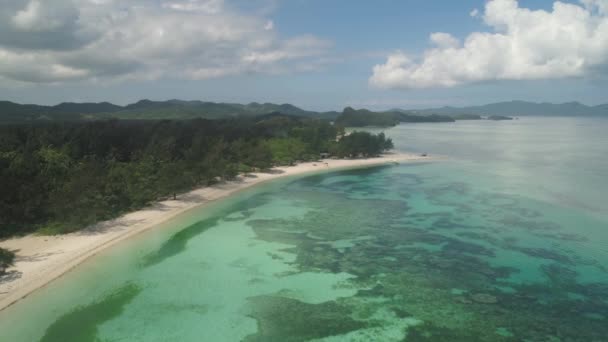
<point>12,112</point>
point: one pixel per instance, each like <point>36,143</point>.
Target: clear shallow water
<point>506,241</point>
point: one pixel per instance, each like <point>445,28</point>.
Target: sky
<point>316,54</point>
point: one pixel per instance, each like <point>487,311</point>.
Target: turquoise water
<point>507,240</point>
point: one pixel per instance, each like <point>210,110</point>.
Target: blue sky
<point>317,54</point>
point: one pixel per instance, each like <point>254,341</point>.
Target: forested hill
<point>362,117</point>
<point>11,112</point>
<point>61,176</point>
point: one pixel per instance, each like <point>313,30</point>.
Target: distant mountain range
<point>11,112</point>
<point>523,108</point>
<point>146,109</point>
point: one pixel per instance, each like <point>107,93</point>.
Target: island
<point>459,117</point>
<point>499,118</point>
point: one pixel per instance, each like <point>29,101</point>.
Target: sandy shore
<point>41,259</point>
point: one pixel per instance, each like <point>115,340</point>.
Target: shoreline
<point>42,259</point>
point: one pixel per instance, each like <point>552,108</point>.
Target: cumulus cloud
<point>571,40</point>
<point>444,40</point>
<point>43,25</point>
<point>78,40</point>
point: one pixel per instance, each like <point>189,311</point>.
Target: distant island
<point>499,117</point>
<point>365,118</point>
<point>523,108</point>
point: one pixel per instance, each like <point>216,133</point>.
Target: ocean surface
<point>505,240</point>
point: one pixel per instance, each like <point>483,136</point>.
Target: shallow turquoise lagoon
<point>507,240</point>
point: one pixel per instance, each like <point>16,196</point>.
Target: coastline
<point>42,259</point>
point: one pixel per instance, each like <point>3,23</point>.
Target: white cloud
<point>296,48</point>
<point>206,6</point>
<point>43,25</point>
<point>444,40</point>
<point>597,5</point>
<point>571,40</point>
<point>269,25</point>
<point>80,40</point>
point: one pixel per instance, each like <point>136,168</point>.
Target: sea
<point>501,236</point>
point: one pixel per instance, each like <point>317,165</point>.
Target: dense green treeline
<point>6,260</point>
<point>60,177</point>
<point>361,118</point>
<point>361,144</point>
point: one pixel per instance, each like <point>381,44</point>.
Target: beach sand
<point>41,259</point>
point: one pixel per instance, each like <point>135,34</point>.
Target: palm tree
<point>7,259</point>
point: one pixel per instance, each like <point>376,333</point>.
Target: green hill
<point>11,112</point>
<point>361,118</point>
<point>89,108</point>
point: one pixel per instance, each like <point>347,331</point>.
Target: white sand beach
<point>41,259</point>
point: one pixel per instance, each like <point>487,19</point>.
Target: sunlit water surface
<point>507,240</point>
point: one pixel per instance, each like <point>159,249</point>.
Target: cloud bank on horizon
<point>89,40</point>
<point>571,40</point>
